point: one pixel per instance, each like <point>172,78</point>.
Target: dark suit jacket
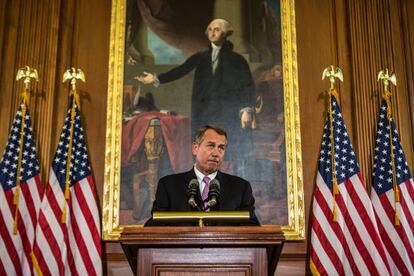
<point>235,195</point>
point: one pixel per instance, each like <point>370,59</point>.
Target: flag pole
<point>333,74</point>
<point>388,77</point>
<point>73,75</point>
<point>27,74</point>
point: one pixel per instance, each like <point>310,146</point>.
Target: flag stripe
<point>50,246</point>
<point>6,261</point>
<point>320,257</point>
<point>401,231</point>
<point>79,234</point>
<point>75,244</point>
<point>49,224</point>
<point>87,199</point>
<point>9,257</point>
<point>13,243</point>
<point>344,237</point>
<point>393,244</point>
<point>406,221</point>
<point>19,160</point>
<point>407,194</point>
<point>32,196</point>
<point>40,240</point>
<point>331,234</point>
<point>391,171</point>
<point>364,233</point>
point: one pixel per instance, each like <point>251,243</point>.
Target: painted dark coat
<point>218,98</point>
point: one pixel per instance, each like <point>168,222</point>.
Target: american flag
<point>344,233</point>
<point>16,243</point>
<point>394,213</point>
<point>68,233</point>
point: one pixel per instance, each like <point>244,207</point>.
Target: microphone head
<point>214,185</point>
<point>214,192</point>
<point>193,184</point>
<point>192,190</point>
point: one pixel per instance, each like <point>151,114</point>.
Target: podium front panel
<point>202,261</point>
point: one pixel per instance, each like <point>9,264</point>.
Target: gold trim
<point>201,217</point>
<point>295,229</point>
<point>191,216</point>
<point>111,229</point>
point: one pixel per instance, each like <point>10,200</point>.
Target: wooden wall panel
<point>30,38</point>
<point>91,54</point>
<point>3,22</point>
<point>7,76</point>
<point>376,43</point>
<point>316,50</point>
<point>404,71</point>
<point>407,9</point>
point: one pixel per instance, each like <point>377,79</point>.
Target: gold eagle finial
<point>332,73</point>
<point>27,73</point>
<point>73,75</point>
<point>387,77</point>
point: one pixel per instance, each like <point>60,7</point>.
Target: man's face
<point>215,33</point>
<point>210,152</point>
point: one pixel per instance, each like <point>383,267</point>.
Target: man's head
<point>208,147</point>
<point>218,30</point>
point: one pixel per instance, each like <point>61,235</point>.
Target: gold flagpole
<point>27,74</point>
<point>333,74</point>
<point>73,75</point>
<point>387,78</point>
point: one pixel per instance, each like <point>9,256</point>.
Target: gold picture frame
<point>294,229</point>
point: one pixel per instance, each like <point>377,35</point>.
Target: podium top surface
<point>214,235</point>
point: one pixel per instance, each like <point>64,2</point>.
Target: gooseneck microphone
<point>214,192</point>
<point>192,193</point>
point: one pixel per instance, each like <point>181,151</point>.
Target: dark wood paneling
<point>407,21</point>
<point>90,49</point>
<point>30,38</point>
<point>7,95</point>
<point>203,261</point>
<point>316,50</point>
<point>376,38</point>
<point>3,23</point>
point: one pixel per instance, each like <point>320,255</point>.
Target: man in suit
<point>223,91</point>
<point>236,194</point>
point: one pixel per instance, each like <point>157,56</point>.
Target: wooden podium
<point>165,251</point>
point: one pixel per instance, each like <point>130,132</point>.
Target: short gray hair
<point>225,26</point>
<point>199,136</point>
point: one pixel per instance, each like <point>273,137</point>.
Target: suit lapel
<point>188,176</point>
<point>223,187</point>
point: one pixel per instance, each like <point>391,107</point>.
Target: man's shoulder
<point>231,178</point>
<point>174,176</point>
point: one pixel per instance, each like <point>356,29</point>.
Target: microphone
<point>214,192</point>
<point>192,192</point>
